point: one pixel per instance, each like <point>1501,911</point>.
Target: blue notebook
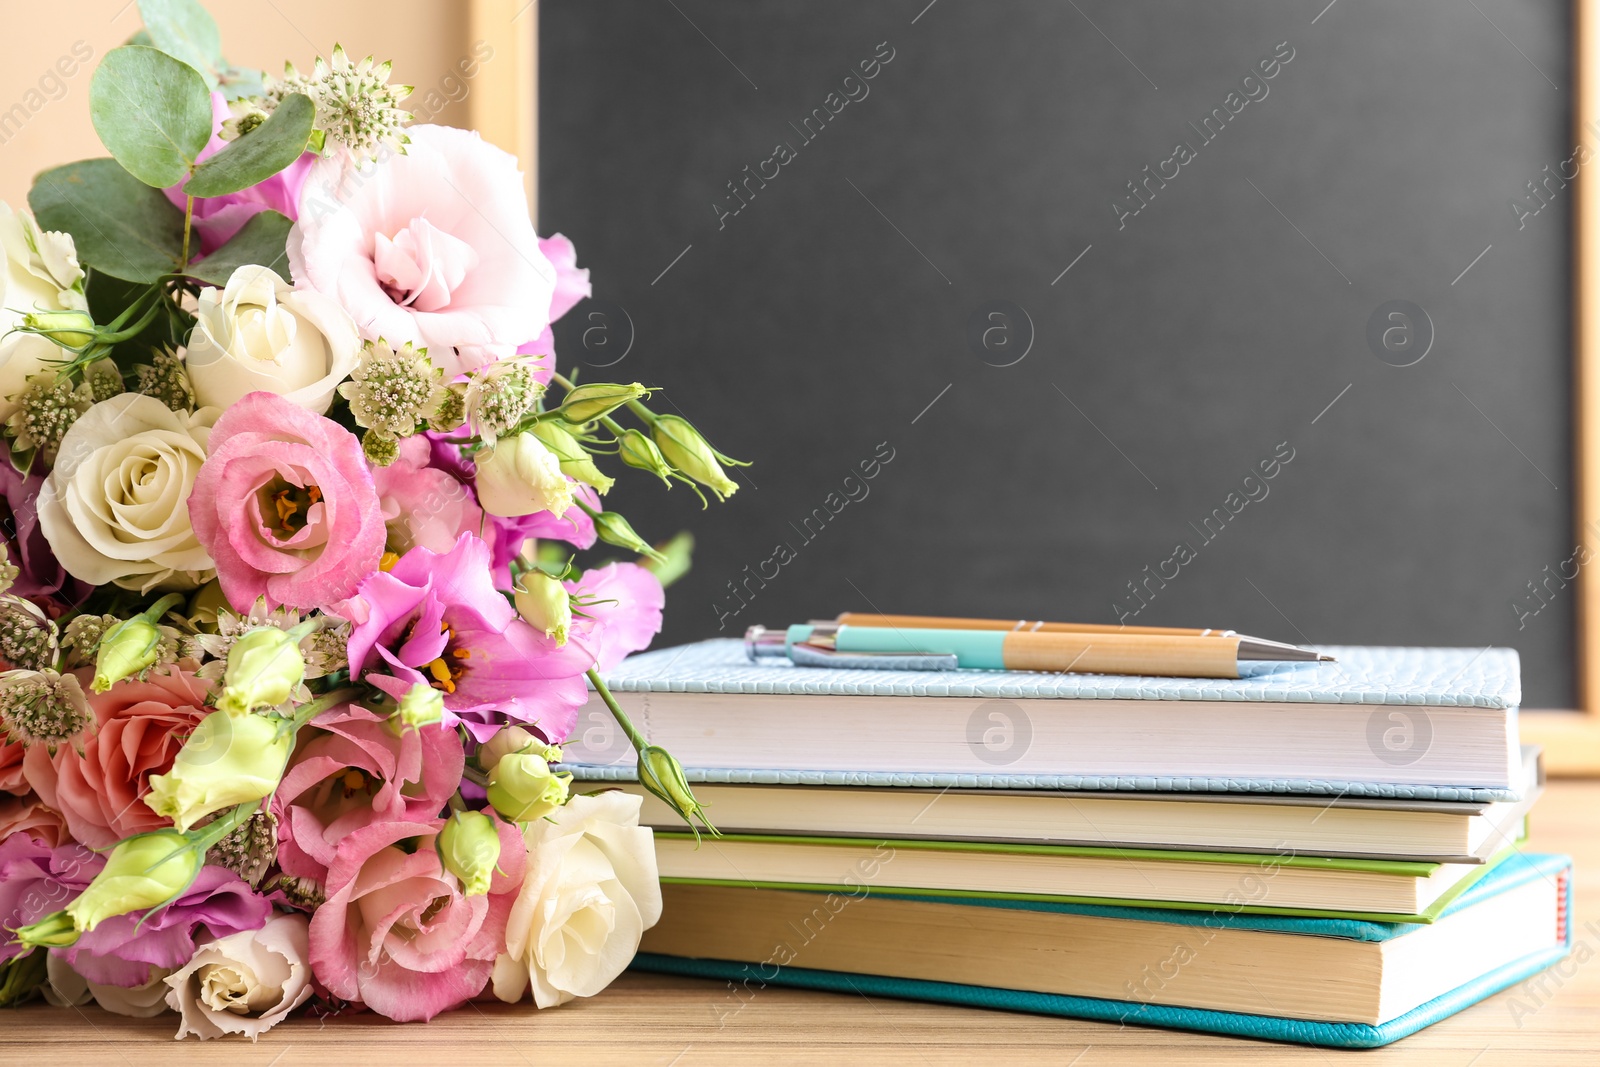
<point>1524,871</point>
<point>1402,723</point>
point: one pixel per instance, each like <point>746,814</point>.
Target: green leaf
<point>152,111</point>
<point>259,154</point>
<point>186,31</point>
<point>121,226</point>
<point>236,83</point>
<point>263,241</point>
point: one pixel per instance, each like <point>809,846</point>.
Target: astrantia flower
<point>438,619</point>
<point>46,410</point>
<point>28,638</point>
<point>393,390</point>
<point>499,395</point>
<point>44,708</point>
<point>8,570</point>
<point>250,849</point>
<point>166,379</point>
<point>322,649</point>
<point>357,108</point>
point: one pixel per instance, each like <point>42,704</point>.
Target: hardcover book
<point>1335,982</point>
<point>1411,723</point>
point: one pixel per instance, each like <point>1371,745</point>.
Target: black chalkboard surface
<point>1248,314</point>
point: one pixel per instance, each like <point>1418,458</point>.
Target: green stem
<point>188,226</point>
<point>635,738</point>
<point>306,712</point>
<point>217,829</point>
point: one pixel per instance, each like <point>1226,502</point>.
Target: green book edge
<point>1397,868</point>
<point>1428,916</point>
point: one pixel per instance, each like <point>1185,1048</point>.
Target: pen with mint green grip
<point>1090,653</point>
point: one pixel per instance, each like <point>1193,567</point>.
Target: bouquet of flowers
<point>290,624</point>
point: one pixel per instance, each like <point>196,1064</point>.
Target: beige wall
<point>425,38</point>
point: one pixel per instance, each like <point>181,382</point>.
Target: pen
<point>927,648</point>
<point>1254,648</point>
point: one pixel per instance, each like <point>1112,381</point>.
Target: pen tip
<point>1321,658</point>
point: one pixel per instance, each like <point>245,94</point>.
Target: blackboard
<point>1247,313</point>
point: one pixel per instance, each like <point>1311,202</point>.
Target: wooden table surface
<point>653,1020</point>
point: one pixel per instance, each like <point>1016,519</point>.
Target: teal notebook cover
<point>1367,675</point>
<point>1516,871</point>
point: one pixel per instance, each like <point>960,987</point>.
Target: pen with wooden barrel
<point>1005,647</point>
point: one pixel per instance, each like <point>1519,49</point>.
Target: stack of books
<point>1325,853</point>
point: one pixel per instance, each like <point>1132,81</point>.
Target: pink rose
<point>423,505</point>
<point>286,506</point>
<point>396,932</point>
<point>141,727</point>
<point>354,771</point>
<point>433,247</point>
<point>217,219</point>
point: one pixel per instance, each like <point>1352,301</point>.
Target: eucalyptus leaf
<point>263,241</point>
<point>152,111</point>
<point>121,226</point>
<point>259,154</point>
<point>186,31</point>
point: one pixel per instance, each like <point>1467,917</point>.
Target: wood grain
<point>655,1020</point>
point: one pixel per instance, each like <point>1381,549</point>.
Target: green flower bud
<point>661,773</point>
<point>229,759</point>
<point>575,462</point>
<point>614,530</point>
<point>522,787</point>
<point>126,649</point>
<point>687,450</point>
<point>69,329</point>
<point>469,848</point>
<point>636,450</point>
<point>544,604</point>
<point>423,705</point>
<point>21,977</point>
<point>589,402</point>
<point>142,872</point>
<point>265,668</point>
<point>679,556</point>
<point>511,739</point>
<point>56,930</point>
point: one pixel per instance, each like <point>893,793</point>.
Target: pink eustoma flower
<point>438,619</point>
<point>433,247</point>
<point>286,506</point>
<point>36,880</point>
<point>397,933</point>
<point>353,771</point>
<point>621,605</point>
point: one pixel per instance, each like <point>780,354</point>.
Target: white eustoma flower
<point>40,273</point>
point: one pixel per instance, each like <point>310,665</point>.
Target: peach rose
<point>141,727</point>
<point>28,814</point>
<point>11,776</point>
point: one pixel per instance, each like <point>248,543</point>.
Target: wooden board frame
<point>504,108</point>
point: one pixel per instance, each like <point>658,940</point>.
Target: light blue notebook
<point>1472,691</point>
<point>1517,871</point>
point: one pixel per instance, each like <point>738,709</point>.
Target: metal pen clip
<point>761,643</point>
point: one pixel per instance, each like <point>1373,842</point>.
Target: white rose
<point>263,334</point>
<point>66,988</point>
<point>116,506</point>
<point>245,983</point>
<point>590,891</point>
<point>520,476</point>
<point>40,273</point>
